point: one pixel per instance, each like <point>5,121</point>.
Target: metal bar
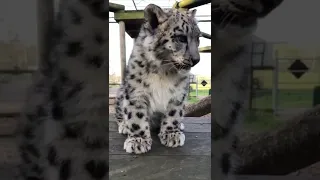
<point>275,85</point>
<point>205,35</point>
<point>122,49</point>
<point>188,4</point>
<point>113,7</point>
<point>135,6</point>
<point>251,77</point>
<point>200,21</point>
<point>206,49</point>
<point>197,87</point>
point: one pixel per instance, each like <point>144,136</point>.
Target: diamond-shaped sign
<point>298,68</point>
<point>204,83</point>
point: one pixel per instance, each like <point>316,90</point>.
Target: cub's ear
<point>193,13</point>
<point>154,15</point>
<point>269,6</point>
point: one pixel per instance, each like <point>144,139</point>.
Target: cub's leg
<point>230,89</point>
<point>136,120</point>
<point>171,134</point>
<point>122,129</point>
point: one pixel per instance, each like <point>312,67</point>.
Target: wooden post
<point>122,49</point>
<point>45,14</point>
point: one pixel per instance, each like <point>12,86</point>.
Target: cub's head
<point>234,19</point>
<point>171,38</point>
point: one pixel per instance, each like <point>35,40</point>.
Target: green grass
<point>193,100</point>
<point>287,98</point>
<point>260,121</point>
<point>288,81</point>
<point>292,93</point>
<point>203,92</point>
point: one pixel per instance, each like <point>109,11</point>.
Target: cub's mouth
<point>183,66</point>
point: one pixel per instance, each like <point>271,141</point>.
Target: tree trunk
<point>201,108</point>
<point>286,149</point>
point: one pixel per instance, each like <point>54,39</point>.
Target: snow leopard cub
<point>234,23</point>
<point>156,80</point>
<point>61,134</point>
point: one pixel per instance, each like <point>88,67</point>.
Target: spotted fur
<point>62,134</point>
<point>234,22</point>
<point>156,80</point>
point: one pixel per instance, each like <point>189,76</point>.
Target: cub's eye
<point>182,38</point>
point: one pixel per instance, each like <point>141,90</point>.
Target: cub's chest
<point>162,89</point>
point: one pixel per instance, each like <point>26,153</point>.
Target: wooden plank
<point>9,151</point>
<point>189,135</point>
<point>11,109</point>
<point>186,120</point>
<point>125,167</point>
<point>9,172</point>
<point>192,147</point>
<point>17,70</point>
<point>188,127</point>
<point>8,126</point>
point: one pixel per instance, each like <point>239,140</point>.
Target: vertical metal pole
<point>251,77</point>
<point>45,14</point>
<point>197,87</point>
<point>275,84</point>
<point>122,49</point>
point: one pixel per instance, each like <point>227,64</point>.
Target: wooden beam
<point>10,109</point>
<point>113,7</point>
<point>128,15</point>
<point>132,19</point>
<point>122,49</point>
<point>18,70</point>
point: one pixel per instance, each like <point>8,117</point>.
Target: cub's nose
<point>195,61</point>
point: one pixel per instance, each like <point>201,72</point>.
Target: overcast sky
<point>294,21</point>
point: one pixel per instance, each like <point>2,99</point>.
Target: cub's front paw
<point>172,138</point>
<point>181,126</point>
<point>122,128</point>
<point>137,145</point>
